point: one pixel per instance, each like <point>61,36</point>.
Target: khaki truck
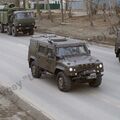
<point>16,20</point>
<point>69,60</point>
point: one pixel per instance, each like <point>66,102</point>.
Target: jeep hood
<point>74,61</point>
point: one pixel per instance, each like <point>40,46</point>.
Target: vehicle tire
<point>96,82</point>
<point>1,28</point>
<point>64,82</point>
<point>36,73</point>
<point>31,32</point>
<point>9,30</point>
<point>119,57</point>
<point>14,31</point>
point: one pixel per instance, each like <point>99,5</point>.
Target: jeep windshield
<point>23,15</point>
<point>72,51</point>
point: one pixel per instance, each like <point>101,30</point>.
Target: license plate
<point>92,76</point>
<point>27,27</point>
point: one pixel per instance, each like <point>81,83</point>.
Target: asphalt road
<point>82,103</point>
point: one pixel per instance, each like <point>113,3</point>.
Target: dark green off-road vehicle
<point>117,46</point>
<point>69,60</point>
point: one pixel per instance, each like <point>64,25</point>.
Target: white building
<point>75,4</point>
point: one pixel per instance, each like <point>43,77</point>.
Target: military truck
<point>69,60</point>
<point>16,20</point>
<point>117,46</point>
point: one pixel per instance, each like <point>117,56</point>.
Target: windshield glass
<point>72,51</point>
<point>22,15</point>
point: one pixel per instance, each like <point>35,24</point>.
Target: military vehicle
<point>69,60</point>
<point>16,20</point>
<point>117,46</point>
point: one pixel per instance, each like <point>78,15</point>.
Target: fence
<point>45,6</point>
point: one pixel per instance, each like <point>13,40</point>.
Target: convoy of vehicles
<point>69,60</point>
<point>16,20</point>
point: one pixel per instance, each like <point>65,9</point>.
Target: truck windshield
<point>22,15</point>
<point>2,7</point>
<point>72,51</point>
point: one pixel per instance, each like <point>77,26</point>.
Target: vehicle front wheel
<point>14,31</point>
<point>119,57</point>
<point>1,28</point>
<point>64,82</point>
<point>96,82</point>
<point>36,72</point>
<point>31,32</point>
<point>9,30</point>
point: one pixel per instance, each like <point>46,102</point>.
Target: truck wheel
<point>9,30</point>
<point>96,82</point>
<point>14,31</point>
<point>31,32</point>
<point>1,28</point>
<point>36,73</point>
<point>64,82</point>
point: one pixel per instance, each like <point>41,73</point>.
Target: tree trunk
<point>62,12</point>
<point>66,5</point>
<point>89,11</point>
<point>24,3</point>
<point>49,11</point>
<point>38,10</point>
<point>17,3</point>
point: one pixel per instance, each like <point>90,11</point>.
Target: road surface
<point>82,103</point>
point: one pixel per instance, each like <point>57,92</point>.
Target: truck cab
<point>21,21</point>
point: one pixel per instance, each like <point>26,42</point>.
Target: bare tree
<point>70,8</point>
<point>92,9</point>
<point>17,3</point>
<point>38,9</point>
<point>66,5</point>
<point>62,12</point>
<point>89,11</point>
<point>104,12</point>
<point>24,3</point>
<point>49,11</point>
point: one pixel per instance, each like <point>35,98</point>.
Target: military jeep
<point>117,46</point>
<point>69,60</point>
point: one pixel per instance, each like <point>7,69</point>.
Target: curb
<point>23,105</point>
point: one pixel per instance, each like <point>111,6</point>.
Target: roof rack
<point>44,35</point>
<point>59,39</point>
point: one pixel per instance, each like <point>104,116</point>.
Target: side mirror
<point>89,51</point>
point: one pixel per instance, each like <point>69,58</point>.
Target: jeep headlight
<point>20,24</point>
<point>70,69</point>
<point>33,23</point>
<point>100,65</point>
